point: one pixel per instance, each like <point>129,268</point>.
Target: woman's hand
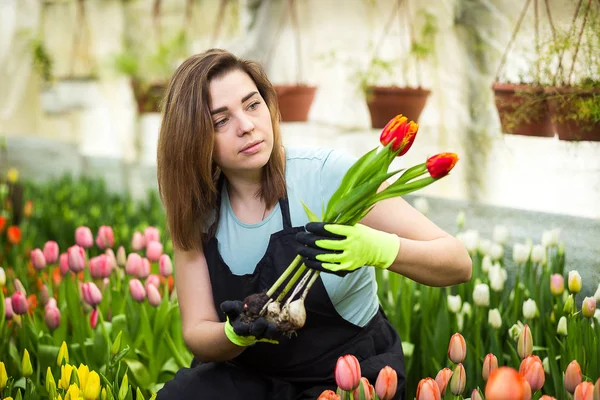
<point>344,248</point>
<point>243,333</point>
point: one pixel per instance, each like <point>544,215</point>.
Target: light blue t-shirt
<point>312,175</point>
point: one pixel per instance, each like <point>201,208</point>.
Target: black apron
<point>300,367</point>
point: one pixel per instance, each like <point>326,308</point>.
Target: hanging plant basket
<point>523,109</point>
<point>295,101</point>
<point>567,105</point>
<point>148,95</point>
<point>385,102</point>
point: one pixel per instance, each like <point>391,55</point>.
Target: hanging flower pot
<point>385,102</point>
<point>574,112</point>
<point>295,101</point>
<point>523,109</point>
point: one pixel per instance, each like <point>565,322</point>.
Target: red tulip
<point>19,303</point>
<point>441,164</point>
<point>347,372</point>
<point>428,389</point>
<point>533,371</point>
<point>154,250</point>
<point>51,252</point>
<point>151,234</point>
<point>105,237</point>
<point>100,267</point>
<point>505,383</point>
<point>490,363</point>
<point>52,317</point>
<point>134,264</point>
<point>165,266</point>
<point>37,259</point>
<point>400,133</point>
<point>328,395</point>
<point>63,263</point>
<point>459,380</point>
<point>368,389</point>
<point>573,376</point>
<point>84,237</point>
<point>138,293</point>
<point>457,349</point>
<point>13,234</point>
<point>91,294</point>
<point>442,379</point>
<point>584,391</point>
<point>2,223</point>
<point>94,318</point>
<point>387,383</point>
<point>137,241</point>
<point>154,297</point>
<point>76,258</point>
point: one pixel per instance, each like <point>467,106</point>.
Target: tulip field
<point>89,310</point>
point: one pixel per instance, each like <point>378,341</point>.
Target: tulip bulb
<point>297,313</point>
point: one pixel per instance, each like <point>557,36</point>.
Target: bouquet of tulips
<point>283,303</point>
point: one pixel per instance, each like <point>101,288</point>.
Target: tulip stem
<point>285,274</point>
<point>298,287</point>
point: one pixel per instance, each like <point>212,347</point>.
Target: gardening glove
<point>246,334</point>
<point>341,249</point>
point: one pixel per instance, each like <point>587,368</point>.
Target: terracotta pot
<point>295,101</point>
<point>386,102</point>
<point>523,109</point>
<point>563,106</point>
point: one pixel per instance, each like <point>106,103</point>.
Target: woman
<point>232,195</point>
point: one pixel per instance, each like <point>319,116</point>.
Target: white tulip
<point>454,303</point>
<point>530,309</point>
<point>501,234</point>
<point>597,314</point>
<point>471,240</point>
<point>597,294</point>
<point>460,219</point>
<point>515,330</point>
<point>497,251</point>
<point>494,318</point>
<point>3,277</point>
<point>561,329</point>
<point>551,237</point>
<point>520,253</point>
<point>486,263</point>
<point>466,309</point>
<point>460,319</point>
<point>538,254</point>
<point>422,205</point>
<point>497,276</point>
<point>546,365</point>
<point>481,295</point>
<point>485,246</point>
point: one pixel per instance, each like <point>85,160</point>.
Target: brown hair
<point>188,178</point>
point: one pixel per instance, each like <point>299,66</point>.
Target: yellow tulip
<point>50,383</point>
<point>12,175</point>
<point>72,393</point>
<point>82,373</point>
<point>3,376</point>
<point>103,394</point>
<point>92,387</point>
<point>26,368</point>
<point>65,376</point>
<point>8,398</point>
<point>63,354</point>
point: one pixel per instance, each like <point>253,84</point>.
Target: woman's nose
<point>245,125</point>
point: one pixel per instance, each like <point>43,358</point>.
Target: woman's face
<point>242,124</point>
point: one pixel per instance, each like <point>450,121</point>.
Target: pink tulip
<point>144,270</point>
<point>134,264</point>
<point>557,284</point>
<point>94,318</point>
<point>547,397</point>
<point>347,373</point>
<point>51,302</point>
<point>387,383</point>
<point>105,237</point>
<point>428,389</point>
<point>588,307</point>
<point>91,294</point>
<point>475,395</point>
<point>100,267</point>
<point>459,380</point>
<point>76,258</point>
<point>165,267</point>
<point>8,310</point>
<point>63,264</point>
<point>44,295</point>
<point>138,293</point>
<point>84,237</point>
<point>457,349</point>
<point>19,303</point>
<point>490,363</point>
<point>442,379</point>
<point>37,259</point>
<point>51,252</point>
<point>19,286</point>
<point>505,383</point>
<point>533,371</point>
<point>121,257</point>
<point>584,391</point>
<point>152,280</point>
<point>138,242</point>
<point>154,297</point>
<point>525,343</point>
<point>368,389</point>
<point>151,234</point>
<point>154,250</point>
<point>573,376</point>
<point>52,317</point>
<point>112,260</point>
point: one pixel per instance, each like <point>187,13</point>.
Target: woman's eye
<point>220,123</point>
<point>253,105</point>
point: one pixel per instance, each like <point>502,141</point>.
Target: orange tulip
<point>328,395</point>
<point>457,349</point>
<point>14,234</point>
<point>596,393</point>
<point>400,133</point>
<point>505,383</point>
<point>2,223</point>
<point>584,391</point>
<point>546,397</point>
<point>442,379</point>
<point>441,164</point>
<point>573,376</point>
<point>387,383</point>
<point>533,371</point>
<point>28,209</point>
<point>526,388</point>
<point>490,363</point>
<point>428,389</point>
<point>347,372</point>
<point>368,388</point>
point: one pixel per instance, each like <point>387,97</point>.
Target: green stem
<point>285,274</point>
<point>291,283</point>
<point>105,334</point>
<point>173,348</point>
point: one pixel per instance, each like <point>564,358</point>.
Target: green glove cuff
<point>243,341</point>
